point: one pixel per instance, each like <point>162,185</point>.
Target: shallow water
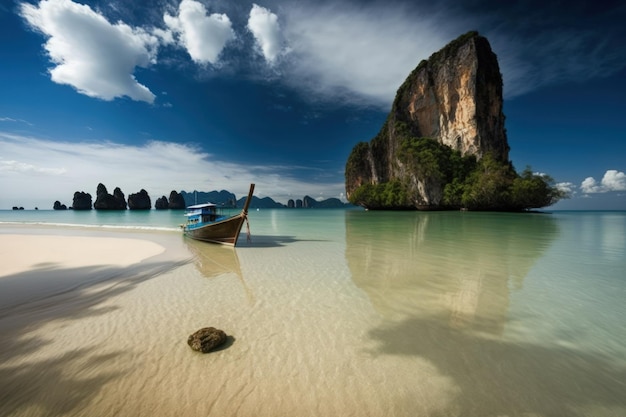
<point>342,312</point>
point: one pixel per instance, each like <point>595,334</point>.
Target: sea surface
<point>348,312</point>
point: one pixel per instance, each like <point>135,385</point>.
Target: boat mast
<point>248,200</point>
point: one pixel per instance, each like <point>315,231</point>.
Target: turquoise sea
<point>413,313</point>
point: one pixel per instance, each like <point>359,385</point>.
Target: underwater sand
<point>317,327</point>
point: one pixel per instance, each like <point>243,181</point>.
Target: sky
<point>209,95</point>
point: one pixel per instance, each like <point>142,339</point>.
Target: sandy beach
<point>95,322</point>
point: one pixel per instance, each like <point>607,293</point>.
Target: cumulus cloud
<point>38,171</point>
<point>266,31</point>
<point>612,180</point>
<point>92,55</point>
<point>204,36</point>
<point>566,187</point>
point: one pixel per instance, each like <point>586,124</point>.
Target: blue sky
<point>211,94</point>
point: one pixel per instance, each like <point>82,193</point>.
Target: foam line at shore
<point>90,226</point>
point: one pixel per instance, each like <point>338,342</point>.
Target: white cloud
<point>266,31</point>
<point>349,51</point>
<point>589,185</point>
<point>92,55</point>
<point>37,172</point>
<point>368,50</point>
<point>204,36</point>
<point>566,187</point>
<point>612,180</point>
<point>345,51</point>
<point>22,167</point>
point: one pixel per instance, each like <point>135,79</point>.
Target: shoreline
<point>55,267</point>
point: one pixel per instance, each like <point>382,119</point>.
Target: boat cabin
<point>200,214</point>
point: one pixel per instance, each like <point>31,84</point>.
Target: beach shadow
<point>34,299</point>
<point>267,241</point>
<point>30,299</point>
<point>497,378</point>
<point>46,385</point>
<point>35,289</point>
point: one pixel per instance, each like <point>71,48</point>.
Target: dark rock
<point>256,202</point>
<point>139,201</point>
<point>331,203</point>
<point>120,198</point>
<point>291,203</point>
<point>221,198</point>
<point>206,339</point>
<point>106,201</point>
<point>161,203</point>
<point>308,202</point>
<point>58,206</point>
<point>82,201</point>
<point>177,201</point>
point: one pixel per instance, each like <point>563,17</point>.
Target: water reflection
<point>457,265</point>
<point>613,236</point>
<point>215,260</point>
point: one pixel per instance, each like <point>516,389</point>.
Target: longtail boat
<point>206,222</point>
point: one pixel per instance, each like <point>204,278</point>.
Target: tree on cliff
<point>483,185</point>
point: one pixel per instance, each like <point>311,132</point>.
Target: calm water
<point>511,314</point>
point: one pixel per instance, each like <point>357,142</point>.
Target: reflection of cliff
<point>458,264</point>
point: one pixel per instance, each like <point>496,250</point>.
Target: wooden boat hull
<point>225,232</point>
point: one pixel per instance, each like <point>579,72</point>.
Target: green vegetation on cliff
<point>475,185</point>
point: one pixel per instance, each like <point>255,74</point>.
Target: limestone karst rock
<point>81,201</point>
<point>139,201</point>
<point>106,201</point>
<point>58,206</point>
<point>161,203</point>
<point>176,201</point>
<point>455,98</point>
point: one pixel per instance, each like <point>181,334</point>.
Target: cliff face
<point>454,98</point>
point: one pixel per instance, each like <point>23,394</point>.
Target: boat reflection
<point>461,266</point>
<point>216,260</point>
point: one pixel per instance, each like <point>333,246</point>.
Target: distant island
<point>444,144</point>
<point>180,200</point>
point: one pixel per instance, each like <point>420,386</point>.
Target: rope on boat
<point>248,237</point>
